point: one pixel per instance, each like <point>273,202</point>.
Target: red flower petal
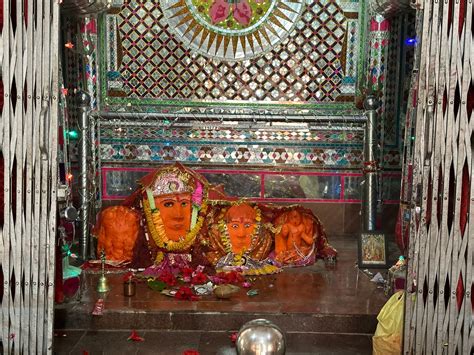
<point>190,352</point>
<point>185,293</point>
<point>186,271</point>
<point>199,278</point>
<point>233,337</point>
<point>135,337</point>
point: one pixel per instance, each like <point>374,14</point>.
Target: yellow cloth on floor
<point>387,339</point>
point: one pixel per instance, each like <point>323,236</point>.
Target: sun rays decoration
<point>232,29</point>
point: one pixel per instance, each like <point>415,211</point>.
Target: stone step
<point>214,321</point>
<point>207,343</point>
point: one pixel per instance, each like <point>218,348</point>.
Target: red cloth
<point>2,197</point>
<point>402,230</point>
<point>465,192</point>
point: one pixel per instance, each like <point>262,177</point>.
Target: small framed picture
<point>372,250</point>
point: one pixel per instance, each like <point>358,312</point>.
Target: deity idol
<point>117,229</point>
<point>169,222</point>
<point>300,238</point>
<point>237,238</point>
<point>173,203</point>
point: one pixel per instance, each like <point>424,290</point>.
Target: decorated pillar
<point>89,45</point>
<point>379,34</point>
<point>369,202</point>
<point>389,7</point>
<point>83,102</point>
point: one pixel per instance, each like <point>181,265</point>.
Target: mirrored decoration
<point>283,186</point>
<point>261,144</point>
<point>238,185</point>
<point>289,185</point>
<point>353,187</point>
<point>116,184</point>
<point>231,30</point>
<point>121,183</point>
<point>231,52</point>
<point>303,186</point>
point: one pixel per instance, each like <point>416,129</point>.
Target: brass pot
<point>129,288</point>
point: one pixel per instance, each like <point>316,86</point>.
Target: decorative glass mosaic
<point>232,30</point>
<point>181,52</point>
<point>197,144</point>
<point>390,117</point>
<point>115,132</point>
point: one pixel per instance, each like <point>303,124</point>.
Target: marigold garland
<point>159,257</point>
<point>158,233</point>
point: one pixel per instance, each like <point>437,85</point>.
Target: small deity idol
<point>117,230</point>
<point>238,239</point>
<point>300,239</point>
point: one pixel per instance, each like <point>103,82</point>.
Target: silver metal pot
<point>260,337</point>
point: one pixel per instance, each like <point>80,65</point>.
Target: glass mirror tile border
<point>312,145</point>
<point>325,147</point>
<point>319,64</point>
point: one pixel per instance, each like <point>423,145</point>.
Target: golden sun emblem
<point>232,29</point>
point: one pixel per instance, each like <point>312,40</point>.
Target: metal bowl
<point>260,337</point>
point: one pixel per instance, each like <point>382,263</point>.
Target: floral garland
<point>158,233</point>
<point>224,232</point>
<point>159,257</point>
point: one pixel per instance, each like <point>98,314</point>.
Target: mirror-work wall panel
<point>277,51</point>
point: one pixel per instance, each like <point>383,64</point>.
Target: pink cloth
<point>171,263</point>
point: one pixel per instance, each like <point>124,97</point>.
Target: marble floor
<point>323,309</point>
<point>83,342</point>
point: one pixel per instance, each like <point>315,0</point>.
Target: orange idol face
<point>295,218</point>
<point>241,224</point>
<point>175,211</point>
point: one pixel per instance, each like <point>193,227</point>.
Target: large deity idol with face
<point>239,237</point>
<point>173,204</point>
<point>171,226</point>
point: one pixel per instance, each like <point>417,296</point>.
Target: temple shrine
<point>236,177</point>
